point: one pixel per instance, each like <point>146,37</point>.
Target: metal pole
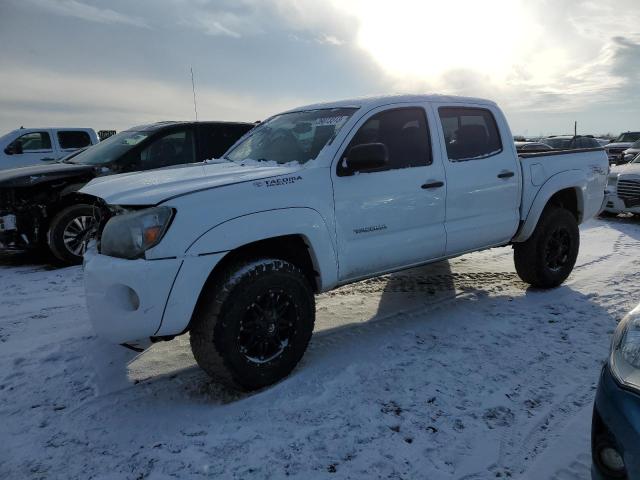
<point>193,87</point>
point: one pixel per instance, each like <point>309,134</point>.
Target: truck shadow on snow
<point>430,305</point>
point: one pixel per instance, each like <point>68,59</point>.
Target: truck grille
<point>615,150</point>
<point>629,191</point>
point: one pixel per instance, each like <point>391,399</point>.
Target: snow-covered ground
<point>451,371</point>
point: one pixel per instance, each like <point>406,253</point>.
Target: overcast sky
<point>114,64</point>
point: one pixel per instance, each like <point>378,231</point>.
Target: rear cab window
<point>469,133</point>
<point>73,139</point>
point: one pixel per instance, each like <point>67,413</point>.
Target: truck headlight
<point>131,234</point>
<point>612,180</point>
<point>625,351</point>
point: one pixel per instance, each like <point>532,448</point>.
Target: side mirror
<point>367,156</point>
<point>14,148</point>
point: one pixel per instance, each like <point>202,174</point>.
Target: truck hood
<point>618,145</point>
<point>155,186</point>
<point>33,175</point>
<point>627,169</point>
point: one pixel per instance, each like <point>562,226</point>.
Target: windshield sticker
<point>277,182</point>
<point>324,121</point>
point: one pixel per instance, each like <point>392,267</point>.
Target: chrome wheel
<point>75,233</point>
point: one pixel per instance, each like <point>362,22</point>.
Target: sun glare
<point>426,38</point>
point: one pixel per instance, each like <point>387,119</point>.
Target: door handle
<point>437,184</point>
<point>46,159</point>
<point>506,174</point>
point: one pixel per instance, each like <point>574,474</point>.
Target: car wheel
<point>68,233</point>
<point>253,323</point>
<point>547,258</point>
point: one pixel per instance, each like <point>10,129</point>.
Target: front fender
<point>307,222</point>
<point>574,179</point>
<point>211,247</point>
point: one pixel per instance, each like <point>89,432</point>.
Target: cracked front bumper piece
<point>126,299</point>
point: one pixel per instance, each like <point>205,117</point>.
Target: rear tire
<point>547,258</point>
<point>68,231</point>
<point>253,323</point>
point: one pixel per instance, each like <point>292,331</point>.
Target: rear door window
<point>588,142</point>
<point>469,133</point>
<point>73,139</point>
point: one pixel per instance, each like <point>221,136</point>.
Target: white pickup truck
<point>32,146</point>
<point>234,250</point>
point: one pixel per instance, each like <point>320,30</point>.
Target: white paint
<point>355,226</point>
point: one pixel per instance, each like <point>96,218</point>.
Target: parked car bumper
<point>617,414</point>
<point>614,204</point>
<point>126,298</point>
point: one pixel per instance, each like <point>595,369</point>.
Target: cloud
<point>543,61</point>
<point>34,97</point>
<point>323,22</point>
<point>78,9</point>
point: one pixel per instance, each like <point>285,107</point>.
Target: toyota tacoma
<point>234,251</point>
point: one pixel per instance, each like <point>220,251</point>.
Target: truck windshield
<point>291,137</point>
<point>110,149</point>
<point>628,137</point>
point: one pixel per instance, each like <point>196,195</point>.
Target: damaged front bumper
<point>126,298</point>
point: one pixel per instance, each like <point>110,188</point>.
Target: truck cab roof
<point>380,100</point>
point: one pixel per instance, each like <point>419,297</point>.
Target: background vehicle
<point>318,197</point>
<point>40,205</point>
<point>570,142</point>
<point>532,147</point>
<point>623,189</point>
<point>33,146</point>
<point>615,429</point>
<point>631,153</point>
<point>614,149</point>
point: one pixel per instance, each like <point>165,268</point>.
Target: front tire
<point>68,233</point>
<point>547,258</point>
<point>253,323</point>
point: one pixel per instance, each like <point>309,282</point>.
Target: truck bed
<point>545,169</point>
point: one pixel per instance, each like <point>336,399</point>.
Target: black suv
<point>40,205</point>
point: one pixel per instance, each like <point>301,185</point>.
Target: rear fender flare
<point>574,179</point>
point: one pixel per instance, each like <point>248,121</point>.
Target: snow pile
<point>455,370</point>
